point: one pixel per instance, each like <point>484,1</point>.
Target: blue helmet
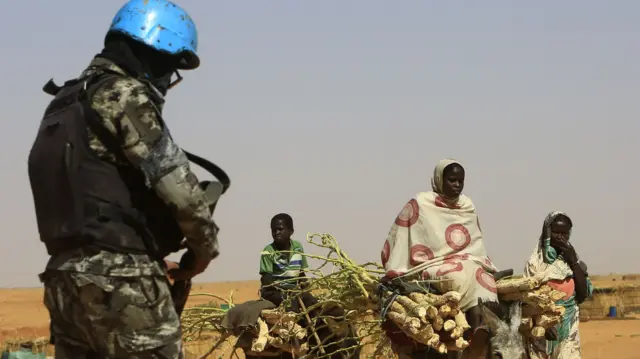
<point>161,25</point>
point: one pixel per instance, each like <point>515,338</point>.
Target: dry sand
<point>22,315</point>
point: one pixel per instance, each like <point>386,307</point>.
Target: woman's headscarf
<point>550,254</point>
<point>546,229</point>
<point>438,175</point>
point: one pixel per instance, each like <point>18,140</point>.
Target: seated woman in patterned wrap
<point>437,236</point>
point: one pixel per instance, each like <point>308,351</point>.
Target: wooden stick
<point>260,342</point>
<point>313,330</point>
<point>449,325</point>
<point>461,321</point>
<point>445,311</point>
<point>414,308</point>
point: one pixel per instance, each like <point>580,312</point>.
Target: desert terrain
<point>22,315</point>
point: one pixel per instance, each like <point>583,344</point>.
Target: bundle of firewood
<point>539,311</point>
<point>280,330</point>
<point>432,320</point>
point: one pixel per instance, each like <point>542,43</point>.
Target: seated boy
<point>282,265</point>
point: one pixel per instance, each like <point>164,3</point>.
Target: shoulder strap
<point>212,168</point>
<point>70,92</point>
<point>50,88</point>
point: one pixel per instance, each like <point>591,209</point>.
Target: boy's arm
<point>266,263</point>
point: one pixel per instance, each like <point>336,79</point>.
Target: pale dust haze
<point>336,112</point>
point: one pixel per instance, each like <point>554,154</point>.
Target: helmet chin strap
<point>164,83</point>
<point>176,82</point>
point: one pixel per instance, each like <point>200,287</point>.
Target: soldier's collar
<point>100,62</point>
<point>108,65</point>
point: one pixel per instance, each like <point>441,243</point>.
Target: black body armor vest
<point>81,199</point>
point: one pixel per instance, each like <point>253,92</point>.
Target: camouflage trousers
<point>95,316</point>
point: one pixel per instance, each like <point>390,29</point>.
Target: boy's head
<point>281,228</point>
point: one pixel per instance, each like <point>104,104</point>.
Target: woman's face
<point>453,181</point>
<point>560,230</point>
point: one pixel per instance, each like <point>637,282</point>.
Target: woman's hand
<point>567,251</point>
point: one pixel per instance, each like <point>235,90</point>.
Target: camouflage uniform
<point>117,304</point>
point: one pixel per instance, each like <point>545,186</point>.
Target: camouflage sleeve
<point>129,113</point>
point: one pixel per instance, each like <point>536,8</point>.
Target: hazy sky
<point>337,111</point>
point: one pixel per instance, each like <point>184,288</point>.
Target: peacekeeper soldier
<point>108,181</point>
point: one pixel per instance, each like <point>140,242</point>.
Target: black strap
<point>51,88</point>
<point>212,168</point>
<point>386,304</point>
<point>180,294</point>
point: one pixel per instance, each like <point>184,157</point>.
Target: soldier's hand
<point>170,265</point>
<point>190,266</point>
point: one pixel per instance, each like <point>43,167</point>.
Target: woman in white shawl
<point>437,235</point>
<point>554,261</point>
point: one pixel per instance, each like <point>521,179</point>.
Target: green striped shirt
<point>285,266</point>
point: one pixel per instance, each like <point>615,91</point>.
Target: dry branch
<point>347,286</point>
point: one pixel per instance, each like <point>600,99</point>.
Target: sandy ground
<point>22,315</point>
